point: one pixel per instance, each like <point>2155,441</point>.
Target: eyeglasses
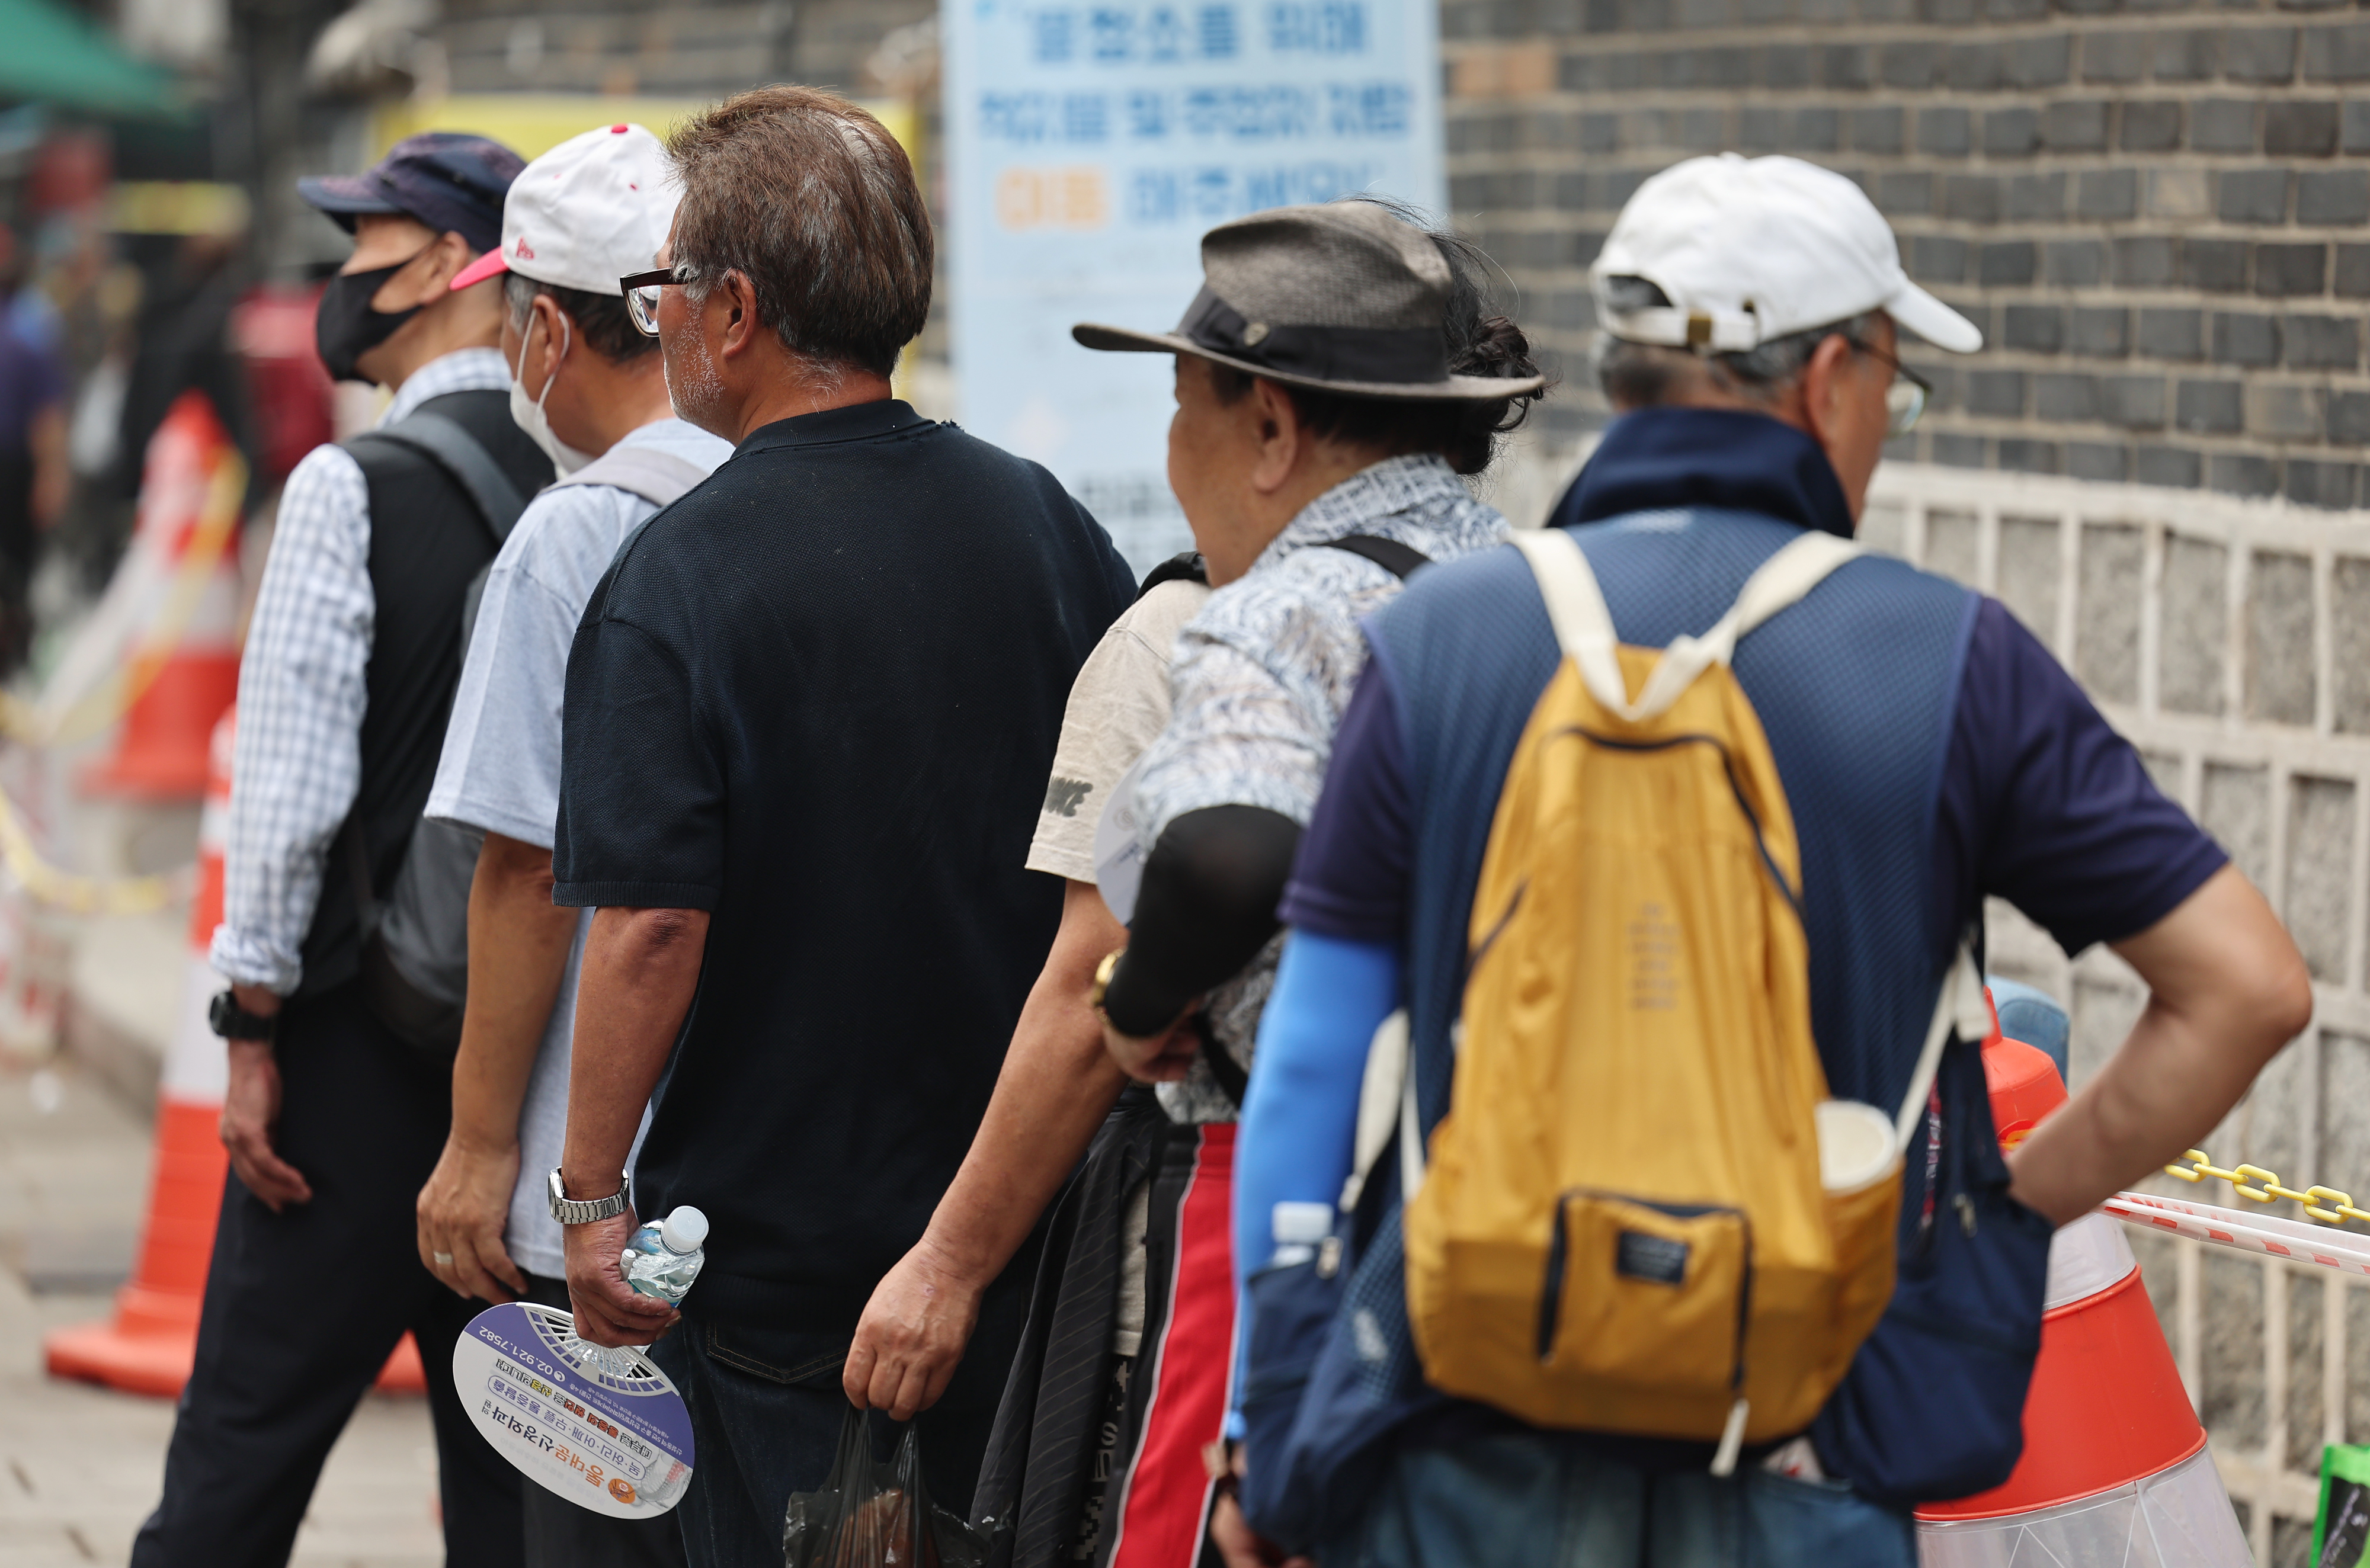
<point>1905,397</point>
<point>642,291</point>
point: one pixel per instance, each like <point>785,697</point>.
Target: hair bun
<point>1498,351</point>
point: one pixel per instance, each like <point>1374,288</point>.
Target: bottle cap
<point>685,1230</point>
<point>1304,1223</point>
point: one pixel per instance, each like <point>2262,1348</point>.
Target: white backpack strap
<point>659,477</point>
<point>1379,1102</point>
<point>1410,1143</point>
<point>1585,627</point>
<point>1959,1009</point>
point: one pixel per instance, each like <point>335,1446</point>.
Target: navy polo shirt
<point>2040,802</point>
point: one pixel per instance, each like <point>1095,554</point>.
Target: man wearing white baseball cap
<point>1929,752</point>
<point>589,388</point>
<point>1772,286</point>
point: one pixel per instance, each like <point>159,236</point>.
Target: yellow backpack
<point>1623,1223</point>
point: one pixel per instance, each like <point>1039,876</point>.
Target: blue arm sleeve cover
<point>1300,1117</point>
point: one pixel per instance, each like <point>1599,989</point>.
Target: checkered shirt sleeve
<point>298,759</point>
<point>297,762</point>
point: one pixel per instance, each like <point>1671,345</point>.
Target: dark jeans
<point>302,1307</point>
<point>766,1413</point>
<point>560,1535</point>
<point>1536,1500</point>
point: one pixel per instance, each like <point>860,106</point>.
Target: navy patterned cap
<point>447,181</point>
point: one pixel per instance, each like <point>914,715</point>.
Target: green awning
<point>50,54</point>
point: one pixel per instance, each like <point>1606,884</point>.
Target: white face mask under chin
<point>527,412</point>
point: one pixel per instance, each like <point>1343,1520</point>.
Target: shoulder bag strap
<point>449,445</point>
<point>1960,1010</point>
<point>1402,560</point>
<point>1184,567</point>
<point>1583,626</point>
<point>660,477</point>
<point>351,844</point>
<point>1231,1078</point>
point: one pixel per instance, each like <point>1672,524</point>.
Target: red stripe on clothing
<point>1169,1485</point>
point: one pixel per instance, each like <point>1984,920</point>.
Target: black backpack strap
<point>1402,560</point>
<point>1186,565</point>
<point>449,445</point>
<point>354,849</point>
<point>1231,1078</point>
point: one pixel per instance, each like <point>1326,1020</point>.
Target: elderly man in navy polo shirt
<point>1933,754</point>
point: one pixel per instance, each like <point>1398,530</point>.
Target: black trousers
<point>302,1307</point>
<point>561,1535</point>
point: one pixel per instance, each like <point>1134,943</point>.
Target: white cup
<point>1854,1144</point>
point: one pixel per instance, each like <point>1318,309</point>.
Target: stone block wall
<point>586,46</point>
<point>2158,212</point>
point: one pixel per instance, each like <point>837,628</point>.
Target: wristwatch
<point>1101,987</point>
<point>578,1211</point>
<point>225,1017</point>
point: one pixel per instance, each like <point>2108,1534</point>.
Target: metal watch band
<point>581,1211</point>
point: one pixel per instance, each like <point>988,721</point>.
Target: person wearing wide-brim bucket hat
<point>1338,373</point>
<point>1343,298</point>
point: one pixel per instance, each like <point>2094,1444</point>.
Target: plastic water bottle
<point>1300,1230</point>
<point>662,1259</point>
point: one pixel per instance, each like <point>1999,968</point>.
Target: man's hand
<point>609,1310</point>
<point>250,1111</point>
<point>1164,1058</point>
<point>462,1210</point>
<point>1239,1546</point>
<point>912,1335</point>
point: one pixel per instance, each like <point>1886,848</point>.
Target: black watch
<point>225,1017</point>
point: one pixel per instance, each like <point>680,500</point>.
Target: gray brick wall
<point>636,46</point>
<point>2159,215</point>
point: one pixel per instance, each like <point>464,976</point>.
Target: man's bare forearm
<point>641,968</point>
<point>2227,990</point>
<point>1057,1085</point>
<point>518,954</point>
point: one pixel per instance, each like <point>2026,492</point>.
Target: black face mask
<point>345,327</point>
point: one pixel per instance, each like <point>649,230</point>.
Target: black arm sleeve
<point>1207,907</point>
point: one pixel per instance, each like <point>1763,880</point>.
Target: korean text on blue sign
<point>1090,147</point>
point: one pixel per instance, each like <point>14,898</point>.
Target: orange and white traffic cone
<point>185,676</point>
<point>150,1345</point>
<point>2115,1470</point>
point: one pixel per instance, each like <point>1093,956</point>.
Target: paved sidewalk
<point>80,1465</point>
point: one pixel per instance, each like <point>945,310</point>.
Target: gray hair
<point>600,319</point>
<point>1643,375</point>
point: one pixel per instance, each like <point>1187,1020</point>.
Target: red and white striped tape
<point>2265,1234</point>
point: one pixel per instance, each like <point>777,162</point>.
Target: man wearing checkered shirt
<point>332,1119</point>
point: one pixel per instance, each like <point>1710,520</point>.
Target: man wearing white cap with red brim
<point>1929,754</point>
<point>589,388</point>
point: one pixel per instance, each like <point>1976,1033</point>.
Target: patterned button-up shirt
<point>298,758</point>
<point>1262,675</point>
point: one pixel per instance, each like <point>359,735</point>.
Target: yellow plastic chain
<point>70,891</point>
<point>2257,1186</point>
<point>22,721</point>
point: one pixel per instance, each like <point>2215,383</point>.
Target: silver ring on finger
<point>445,1259</point>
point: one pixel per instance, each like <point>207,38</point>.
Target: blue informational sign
<point>1091,143</point>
